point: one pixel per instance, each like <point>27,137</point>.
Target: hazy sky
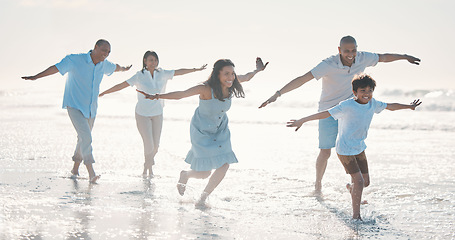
<point>293,35</point>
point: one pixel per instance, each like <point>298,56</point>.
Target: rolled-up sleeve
<point>64,65</point>
<point>109,67</point>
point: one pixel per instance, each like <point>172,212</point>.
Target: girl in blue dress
<point>209,131</point>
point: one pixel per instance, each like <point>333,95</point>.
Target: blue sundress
<point>210,136</point>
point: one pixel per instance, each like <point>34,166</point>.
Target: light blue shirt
<point>353,123</point>
<point>83,83</point>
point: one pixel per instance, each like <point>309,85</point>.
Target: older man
<point>85,72</point>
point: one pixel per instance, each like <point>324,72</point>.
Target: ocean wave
<point>10,93</point>
<point>420,92</point>
<point>410,126</point>
<point>383,124</point>
<point>433,100</point>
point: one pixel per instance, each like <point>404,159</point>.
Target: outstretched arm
<point>184,71</point>
<point>391,57</point>
<point>298,123</point>
<point>115,88</point>
<point>399,106</point>
<point>49,71</point>
<point>296,83</point>
<point>259,67</point>
<point>119,68</point>
<point>199,89</point>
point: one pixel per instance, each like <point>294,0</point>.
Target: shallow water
<point>267,195</point>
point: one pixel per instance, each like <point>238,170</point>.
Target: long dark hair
<point>146,55</point>
<point>214,81</point>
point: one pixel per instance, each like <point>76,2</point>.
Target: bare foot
<point>317,187</point>
<point>201,202</point>
<point>357,219</point>
<point>149,171</point>
<point>316,193</point>
<point>349,187</point>
<point>94,179</point>
<point>74,174</point>
<point>181,185</point>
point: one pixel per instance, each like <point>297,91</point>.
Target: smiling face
<point>101,52</point>
<point>363,95</point>
<point>227,76</point>
<point>347,51</point>
<point>151,62</point>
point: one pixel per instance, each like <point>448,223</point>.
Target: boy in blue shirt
<point>355,115</point>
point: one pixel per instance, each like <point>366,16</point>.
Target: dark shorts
<point>354,163</point>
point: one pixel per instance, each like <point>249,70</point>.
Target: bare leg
<point>366,179</point>
<point>321,165</point>
<point>91,173</point>
<point>356,194</point>
<point>148,166</point>
<point>185,175</point>
<point>197,174</point>
<point>216,178</point>
<point>214,181</point>
<point>144,173</point>
<point>75,170</point>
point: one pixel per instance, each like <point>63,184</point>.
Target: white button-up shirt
<point>151,85</point>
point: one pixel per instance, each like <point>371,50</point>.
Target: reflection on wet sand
<point>146,223</point>
<point>82,212</point>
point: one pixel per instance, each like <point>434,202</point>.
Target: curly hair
<point>214,81</point>
<point>363,81</point>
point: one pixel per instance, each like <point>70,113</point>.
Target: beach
<point>267,195</point>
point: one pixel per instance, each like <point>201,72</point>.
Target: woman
<point>210,136</point>
<point>149,114</point>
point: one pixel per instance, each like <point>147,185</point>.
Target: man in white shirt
<point>337,73</point>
